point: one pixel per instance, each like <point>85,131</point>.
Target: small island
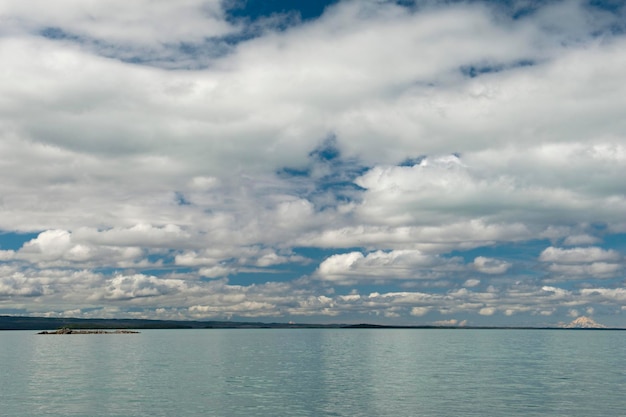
<point>66,330</point>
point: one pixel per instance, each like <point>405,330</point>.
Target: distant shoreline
<point>96,325</point>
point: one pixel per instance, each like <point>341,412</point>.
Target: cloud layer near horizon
<point>446,161</point>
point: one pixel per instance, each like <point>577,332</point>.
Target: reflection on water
<point>315,372</point>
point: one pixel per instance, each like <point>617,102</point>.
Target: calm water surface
<point>315,372</point>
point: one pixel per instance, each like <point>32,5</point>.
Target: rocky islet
<point>78,331</point>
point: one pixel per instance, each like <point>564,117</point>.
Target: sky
<point>393,162</point>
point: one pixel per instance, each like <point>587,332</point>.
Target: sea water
<point>315,372</point>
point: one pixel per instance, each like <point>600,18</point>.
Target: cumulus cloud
<point>419,311</point>
<point>487,311</point>
<point>154,150</point>
<point>145,30</point>
<point>607,294</point>
<point>60,248</point>
<point>445,189</point>
<point>592,270</point>
<point>140,234</point>
<point>229,260</point>
<point>578,240</point>
<point>490,265</point>
<point>6,255</point>
<point>17,284</point>
<point>138,286</point>
<point>582,262</point>
<point>472,282</point>
<point>578,255</point>
<point>355,266</point>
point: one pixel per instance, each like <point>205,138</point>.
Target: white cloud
<point>578,240</point>
<point>243,309</point>
<point>6,255</point>
<point>408,264</point>
<point>217,271</point>
<point>449,322</point>
<point>126,287</point>
<point>217,298</point>
<point>487,311</point>
<point>442,190</point>
<point>225,261</point>
<point>419,311</point>
<point>591,270</point>
<point>472,282</point>
<point>490,265</point>
<point>578,255</point>
<point>138,235</point>
<point>57,248</point>
<point>121,29</point>
<point>49,244</point>
<point>608,294</point>
<point>14,283</point>
<point>118,149</point>
<point>425,238</point>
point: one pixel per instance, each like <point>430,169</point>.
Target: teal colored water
<point>315,372</point>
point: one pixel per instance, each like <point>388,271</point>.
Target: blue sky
<point>427,162</point>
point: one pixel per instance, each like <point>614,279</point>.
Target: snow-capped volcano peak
<point>583,322</point>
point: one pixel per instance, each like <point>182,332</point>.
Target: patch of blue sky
<point>288,172</point>
<point>158,264</point>
<point>476,70</point>
<point>516,251</point>
<point>319,254</point>
<point>253,10</point>
<point>180,199</point>
<point>179,55</point>
<point>365,289</point>
<point>56,33</point>
<point>250,276</point>
<point>613,6</point>
<point>523,257</point>
<point>288,271</point>
<point>520,9</point>
<point>329,153</point>
<point>14,311</point>
<point>110,270</point>
<point>14,241</point>
<point>516,9</point>
<point>328,178</point>
<point>409,162</point>
<point>615,241</point>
